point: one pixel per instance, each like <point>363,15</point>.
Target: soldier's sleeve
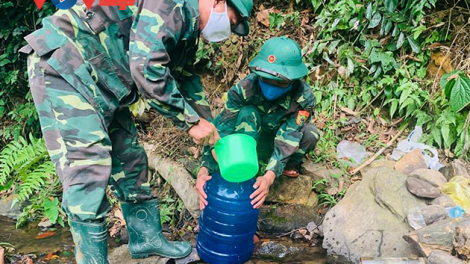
<point>154,32</point>
<point>225,122</point>
<point>288,137</point>
<point>191,84</point>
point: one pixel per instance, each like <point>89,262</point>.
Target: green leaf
<point>436,135</point>
<point>369,11</point>
<point>51,209</point>
<point>445,131</point>
<point>460,94</point>
<point>391,5</point>
<point>414,45</point>
<point>417,31</point>
<point>4,62</point>
<point>388,27</point>
<point>395,31</point>
<point>350,66</point>
<point>448,82</point>
<point>393,108</point>
<point>378,72</point>
<point>401,40</point>
<point>375,21</point>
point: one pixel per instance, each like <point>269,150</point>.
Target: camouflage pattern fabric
<point>283,139</point>
<point>85,67</point>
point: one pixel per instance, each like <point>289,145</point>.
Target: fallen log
<point>179,178</point>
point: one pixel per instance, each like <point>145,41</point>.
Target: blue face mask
<point>273,92</point>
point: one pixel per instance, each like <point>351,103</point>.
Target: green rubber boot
<point>145,232</point>
<point>91,245</point>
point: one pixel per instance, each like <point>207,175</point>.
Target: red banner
<point>121,3</point>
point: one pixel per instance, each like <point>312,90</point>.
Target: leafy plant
<point>17,111</point>
<point>456,85</point>
<point>26,166</point>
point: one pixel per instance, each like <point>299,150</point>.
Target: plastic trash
<point>459,190</point>
<point>455,212</point>
<point>416,218</point>
<point>354,153</point>
<point>412,143</point>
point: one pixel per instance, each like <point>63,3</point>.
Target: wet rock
<point>368,221</point>
<point>433,177</point>
<point>319,172</point>
<point>7,210</point>
<point>456,168</point>
<point>444,200</point>
<point>411,162</point>
<point>276,250</point>
<point>462,240</point>
<point>191,258</point>
<point>422,188</point>
<point>312,200</point>
<point>438,236</point>
<point>433,214</point>
<point>291,190</point>
<point>285,218</point>
<point>441,257</point>
<point>121,255</point>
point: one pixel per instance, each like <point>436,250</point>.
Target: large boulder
<point>370,220</point>
<point>441,257</point>
<point>281,219</point>
<point>438,236</point>
<point>293,191</point>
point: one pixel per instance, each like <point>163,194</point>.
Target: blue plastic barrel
<point>228,223</point>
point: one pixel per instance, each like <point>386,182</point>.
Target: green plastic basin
<point>238,160</point>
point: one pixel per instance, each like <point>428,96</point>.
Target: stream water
<point>56,246</point>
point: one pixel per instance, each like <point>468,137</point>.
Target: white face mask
<point>218,26</point>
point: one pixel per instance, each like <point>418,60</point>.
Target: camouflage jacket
<point>279,116</point>
<point>149,47</point>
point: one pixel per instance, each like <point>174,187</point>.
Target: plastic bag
<point>459,190</point>
<point>354,152</point>
<point>411,143</point>
<point>455,212</point>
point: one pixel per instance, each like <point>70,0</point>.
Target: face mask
<point>218,26</point>
<point>273,92</point>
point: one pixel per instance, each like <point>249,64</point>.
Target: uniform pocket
<point>107,77</point>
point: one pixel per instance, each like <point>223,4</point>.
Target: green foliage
<point>26,166</point>
<point>456,87</point>
<point>365,46</point>
<point>17,111</point>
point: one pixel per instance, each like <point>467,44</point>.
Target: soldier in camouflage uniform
<point>86,66</point>
<point>274,106</point>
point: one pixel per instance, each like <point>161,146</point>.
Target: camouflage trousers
<point>90,147</point>
<point>249,122</point>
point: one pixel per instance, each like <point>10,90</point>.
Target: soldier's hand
<point>262,185</point>
<point>202,178</point>
<point>204,133</point>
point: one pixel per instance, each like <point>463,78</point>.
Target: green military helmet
<point>244,8</point>
<point>279,59</point>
